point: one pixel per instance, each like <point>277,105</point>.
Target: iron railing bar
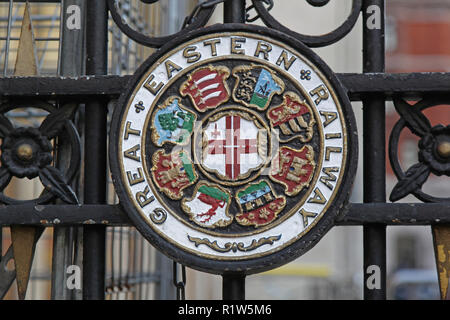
<point>374,153</point>
<point>233,286</point>
<point>113,215</point>
<point>412,86</point>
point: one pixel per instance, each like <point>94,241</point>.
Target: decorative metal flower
<point>27,152</point>
<point>434,150</point>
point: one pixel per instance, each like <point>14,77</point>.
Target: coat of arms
<point>259,205</point>
<point>172,123</point>
<point>209,206</point>
<point>255,86</point>
<point>293,117</point>
<point>225,155</point>
<point>207,87</point>
<point>293,168</point>
<point>173,172</point>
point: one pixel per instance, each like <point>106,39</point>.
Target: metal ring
<point>155,42</point>
<point>312,41</point>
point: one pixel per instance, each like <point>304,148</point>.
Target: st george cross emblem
<point>233,145</point>
<point>225,157</point>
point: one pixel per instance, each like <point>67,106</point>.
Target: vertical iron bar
<point>70,63</point>
<point>374,170</point>
<point>234,11</point>
<point>94,237</point>
<point>233,286</point>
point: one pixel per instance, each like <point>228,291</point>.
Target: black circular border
<point>267,262</point>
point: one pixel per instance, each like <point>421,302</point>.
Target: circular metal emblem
<point>233,149</point>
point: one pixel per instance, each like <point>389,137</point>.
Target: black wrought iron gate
<point>64,98</point>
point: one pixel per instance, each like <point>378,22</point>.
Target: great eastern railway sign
<point>233,149</point>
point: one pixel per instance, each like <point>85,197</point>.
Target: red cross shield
<point>232,147</point>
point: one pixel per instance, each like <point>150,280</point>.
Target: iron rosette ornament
<point>28,152</point>
<point>433,150</point>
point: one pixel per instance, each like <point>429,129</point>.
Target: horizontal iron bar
<point>396,214</point>
<point>113,215</point>
<point>71,87</point>
<point>409,85</point>
<point>44,1</point>
<point>62,215</point>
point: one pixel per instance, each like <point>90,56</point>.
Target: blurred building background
<point>417,40</point>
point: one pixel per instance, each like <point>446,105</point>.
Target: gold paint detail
<point>234,246</point>
<point>135,178</point>
<point>321,93</point>
<point>24,243</point>
<point>213,44</point>
<point>24,152</point>
<point>441,239</point>
<point>329,117</point>
<point>26,61</point>
<point>329,176</point>
<point>131,153</point>
<point>158,216</point>
<point>171,67</point>
<point>191,54</point>
<point>333,136</point>
<point>129,130</point>
<point>236,45</point>
<point>287,62</point>
<point>24,238</point>
<point>306,214</point>
<point>264,48</point>
<point>142,197</point>
<point>328,151</point>
<point>152,86</point>
<point>318,197</point>
<point>443,149</point>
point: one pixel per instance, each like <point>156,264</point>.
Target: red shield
<point>207,87</point>
<point>289,117</point>
<point>172,173</point>
<point>293,168</point>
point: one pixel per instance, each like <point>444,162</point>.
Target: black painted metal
<point>201,18</point>
<point>95,152</point>
<point>394,214</point>
<point>374,150</point>
<point>234,11</point>
<point>233,287</point>
<point>411,86</point>
<point>312,41</point>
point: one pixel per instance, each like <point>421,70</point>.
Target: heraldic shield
<point>225,157</point>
